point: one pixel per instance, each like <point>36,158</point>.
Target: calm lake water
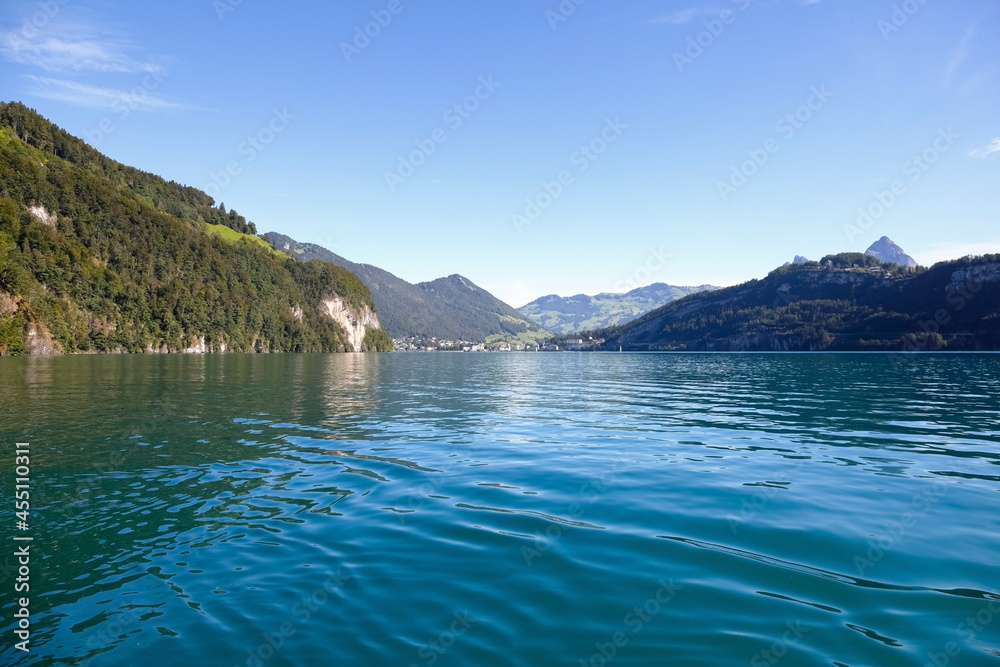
<point>507,509</point>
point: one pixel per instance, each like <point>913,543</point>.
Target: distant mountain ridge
<point>452,308</point>
<point>849,301</point>
<point>565,315</point>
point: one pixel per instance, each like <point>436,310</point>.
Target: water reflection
<point>186,505</point>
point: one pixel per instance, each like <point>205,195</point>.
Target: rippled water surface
<point>509,509</point>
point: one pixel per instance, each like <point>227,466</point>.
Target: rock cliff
<point>355,324</point>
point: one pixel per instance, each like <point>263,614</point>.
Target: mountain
<point>844,302</point>
<point>565,315</point>
<point>799,259</point>
<point>96,256</point>
<point>451,308</point>
<point>887,251</point>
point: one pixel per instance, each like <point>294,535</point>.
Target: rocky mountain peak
<point>885,250</point>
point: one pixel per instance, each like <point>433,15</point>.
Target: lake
<point>506,509</point>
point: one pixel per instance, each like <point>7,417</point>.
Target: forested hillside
<point>97,256</point>
<point>450,308</point>
<point>844,302</point>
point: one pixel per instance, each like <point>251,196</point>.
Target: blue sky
<point>594,147</point>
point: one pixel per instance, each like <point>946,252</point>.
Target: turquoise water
<point>508,509</point>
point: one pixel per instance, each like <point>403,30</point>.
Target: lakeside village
<point>435,345</point>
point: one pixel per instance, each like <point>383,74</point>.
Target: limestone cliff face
<point>41,343</point>
<point>354,324</point>
<point>975,276</point>
<point>200,346</point>
<point>39,340</point>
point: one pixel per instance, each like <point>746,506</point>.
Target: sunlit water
<point>509,509</point>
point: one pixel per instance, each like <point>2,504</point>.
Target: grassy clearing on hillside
<point>526,337</point>
<point>533,337</point>
<point>233,235</point>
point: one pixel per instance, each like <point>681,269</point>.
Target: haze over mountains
<point>564,315</point>
<point>96,256</point>
<point>451,308</point>
<point>568,315</point>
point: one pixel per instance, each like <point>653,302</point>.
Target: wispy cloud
<point>960,54</point>
<point>987,150</point>
<point>683,16</point>
<point>982,79</point>
<point>67,53</point>
<point>97,97</point>
<point>82,65</point>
